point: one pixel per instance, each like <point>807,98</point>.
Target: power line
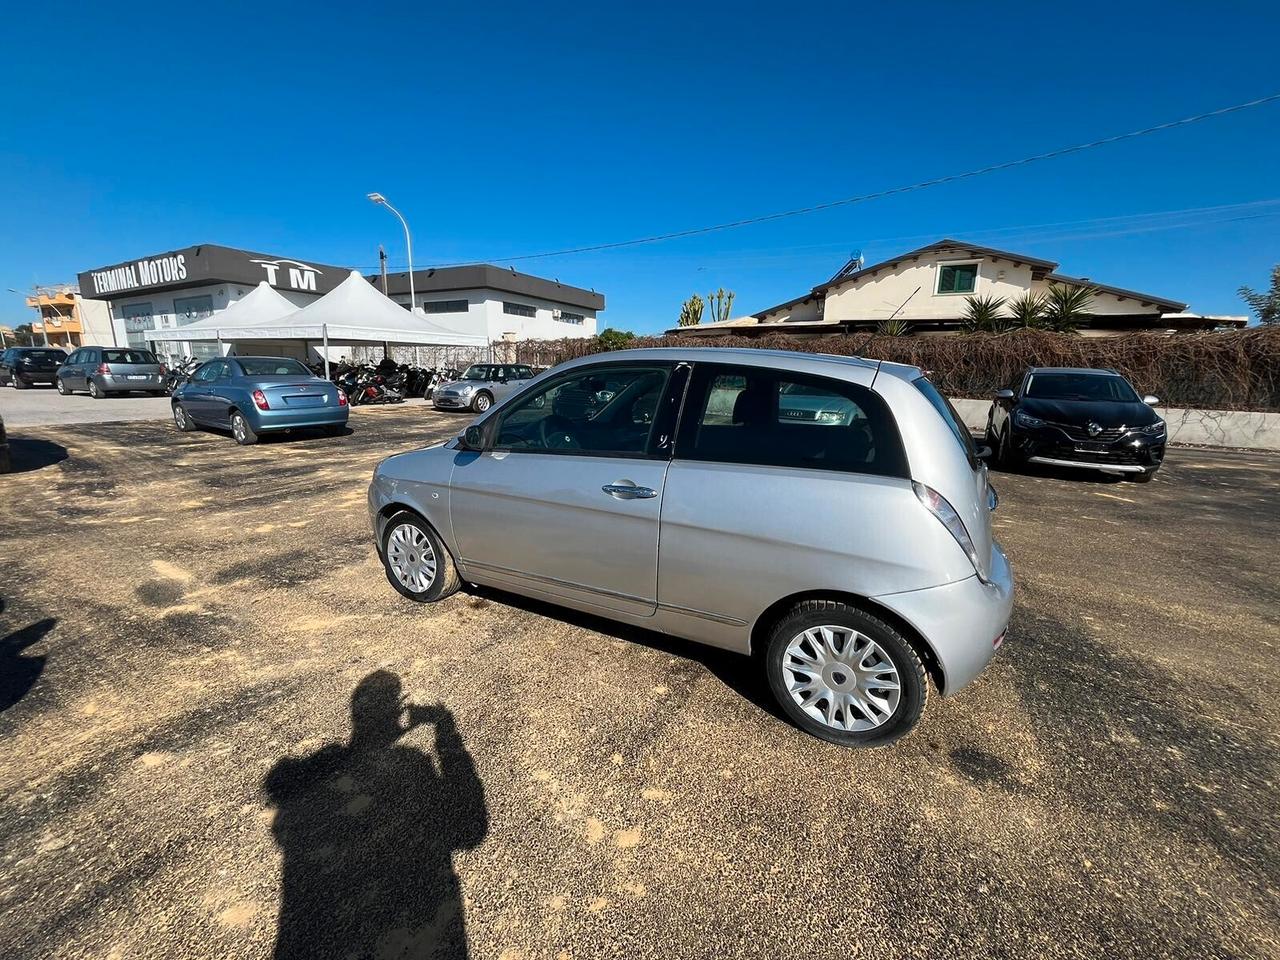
<point>893,191</point>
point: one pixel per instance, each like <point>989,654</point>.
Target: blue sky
<point>503,130</point>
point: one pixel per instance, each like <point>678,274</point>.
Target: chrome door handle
<point>626,490</point>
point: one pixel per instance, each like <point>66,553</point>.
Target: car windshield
<point>272,367</point>
<point>1079,386</point>
<point>44,354</point>
<point>128,356</point>
<point>478,371</point>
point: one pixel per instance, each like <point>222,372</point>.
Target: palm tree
<point>983,314</point>
<point>1067,306</point>
<point>1027,311</point>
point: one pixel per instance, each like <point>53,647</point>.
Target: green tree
<point>1067,306</point>
<point>982,314</point>
<point>691,312</point>
<point>1265,305</point>
<point>1028,310</point>
<point>721,303</point>
<point>611,339</point>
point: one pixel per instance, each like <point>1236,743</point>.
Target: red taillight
<point>260,400</point>
<point>103,368</point>
<point>342,397</point>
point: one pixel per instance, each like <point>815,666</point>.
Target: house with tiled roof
<point>927,289</point>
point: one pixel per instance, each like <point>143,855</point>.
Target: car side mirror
<point>1005,394</point>
<point>984,452</point>
<point>1150,401</point>
<point>473,438</point>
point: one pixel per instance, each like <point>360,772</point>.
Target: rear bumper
<point>112,383</point>
<point>960,621</point>
<point>264,421</point>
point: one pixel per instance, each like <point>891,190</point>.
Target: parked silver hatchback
<point>830,514</point>
<point>481,386</point>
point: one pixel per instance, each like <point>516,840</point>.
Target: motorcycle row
<point>363,382</point>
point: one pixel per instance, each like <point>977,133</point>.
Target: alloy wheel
<point>180,417</point>
<point>411,558</point>
<point>482,403</point>
<point>237,428</point>
<point>841,678</point>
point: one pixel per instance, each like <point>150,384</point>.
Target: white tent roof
<point>262,305</point>
<point>353,310</point>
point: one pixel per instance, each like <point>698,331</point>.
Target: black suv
<point>1077,417</point>
<point>23,366</point>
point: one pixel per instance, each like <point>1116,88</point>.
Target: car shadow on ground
<point>28,453</point>
<point>368,830</point>
<point>300,435</point>
<point>743,675</point>
<point>19,671</point>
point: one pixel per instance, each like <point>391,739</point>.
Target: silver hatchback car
<point>830,514</point>
<point>481,386</point>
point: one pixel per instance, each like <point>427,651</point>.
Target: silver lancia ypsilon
<point>830,514</point>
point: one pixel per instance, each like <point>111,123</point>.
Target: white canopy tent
<point>354,310</point>
<point>263,304</point>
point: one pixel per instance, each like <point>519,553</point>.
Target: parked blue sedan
<point>256,395</point>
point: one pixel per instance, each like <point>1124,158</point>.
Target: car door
<point>222,392</point>
<point>73,374</point>
<point>565,498</point>
<point>195,394</point>
<point>782,483</point>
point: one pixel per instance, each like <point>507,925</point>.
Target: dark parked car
<point>103,370</point>
<point>1077,417</point>
<point>253,395</point>
<point>24,366</point>
<point>5,464</point>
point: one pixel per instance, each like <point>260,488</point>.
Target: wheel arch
<point>400,506</point>
<point>780,608</point>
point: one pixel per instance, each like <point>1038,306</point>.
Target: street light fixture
<point>382,201</point>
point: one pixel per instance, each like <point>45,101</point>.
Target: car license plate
<point>1090,447</point>
<point>138,376</point>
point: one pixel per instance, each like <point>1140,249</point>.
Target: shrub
<point>1225,371</point>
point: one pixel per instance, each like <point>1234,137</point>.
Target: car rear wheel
<point>482,402</point>
<point>845,676</point>
<point>1145,477</point>
<point>95,391</point>
<point>417,564</point>
<point>241,430</point>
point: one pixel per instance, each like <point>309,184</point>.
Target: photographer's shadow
<point>368,830</point>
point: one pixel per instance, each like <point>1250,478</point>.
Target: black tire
<point>63,389</point>
<point>158,393</point>
<point>241,432</point>
<point>95,391</point>
<point>181,419</point>
<point>446,581</point>
<point>1145,477</point>
<point>1006,457</point>
<point>913,683</point>
<point>481,402</point>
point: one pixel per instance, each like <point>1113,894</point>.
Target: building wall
<point>805,310</point>
<point>877,297</point>
<point>498,325</point>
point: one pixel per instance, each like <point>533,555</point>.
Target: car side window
<point>207,372</point>
<point>754,415</point>
<point>598,411</point>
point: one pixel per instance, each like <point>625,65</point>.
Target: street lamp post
<point>44,326</point>
<point>408,242</point>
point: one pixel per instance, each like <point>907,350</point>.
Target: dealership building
<point>167,291</point>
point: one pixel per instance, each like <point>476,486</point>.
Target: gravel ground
<point>202,676</point>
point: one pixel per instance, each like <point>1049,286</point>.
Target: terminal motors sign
<point>208,264</point>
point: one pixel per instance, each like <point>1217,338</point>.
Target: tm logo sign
<point>301,276</point>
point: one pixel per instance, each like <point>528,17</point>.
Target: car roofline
<point>796,360</point>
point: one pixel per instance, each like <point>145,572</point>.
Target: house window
<point>957,277</point>
<point>567,317</point>
<point>445,306</point>
<point>190,309</point>
<point>519,309</point>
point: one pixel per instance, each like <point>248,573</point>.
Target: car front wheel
<point>62,387</point>
<point>181,419</point>
<point>417,564</point>
<point>482,402</point>
<point>845,676</point>
<point>240,429</point>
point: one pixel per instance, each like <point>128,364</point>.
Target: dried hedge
<point>1220,371</point>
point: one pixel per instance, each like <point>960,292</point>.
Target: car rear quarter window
<point>953,419</point>
<point>754,415</point>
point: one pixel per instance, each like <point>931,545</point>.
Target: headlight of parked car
<point>1151,430</point>
<point>1024,419</point>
